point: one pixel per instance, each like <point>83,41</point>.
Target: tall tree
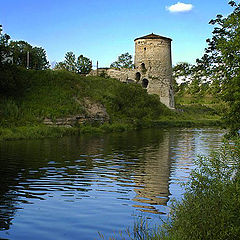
<point>4,47</point>
<point>81,65</point>
<point>70,62</point>
<point>37,55</point>
<point>84,65</point>
<point>222,60</point>
<point>124,61</point>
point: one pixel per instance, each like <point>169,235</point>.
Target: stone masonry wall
<point>155,54</point>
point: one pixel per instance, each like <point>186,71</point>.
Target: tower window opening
<point>143,68</point>
<point>144,83</point>
<point>138,76</point>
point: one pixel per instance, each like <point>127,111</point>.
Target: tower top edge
<point>153,36</point>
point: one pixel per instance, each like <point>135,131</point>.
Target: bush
<point>13,80</point>
<point>210,207</point>
<point>131,101</point>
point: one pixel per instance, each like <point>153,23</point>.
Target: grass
<point>43,131</point>
<point>30,96</point>
<point>56,94</point>
<point>204,98</point>
<point>35,132</point>
<point>201,106</point>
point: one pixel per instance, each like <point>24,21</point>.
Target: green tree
<point>215,87</point>
<point>195,79</point>
<point>4,47</point>
<point>204,88</point>
<point>194,87</point>
<point>182,69</point>
<point>84,65</point>
<point>181,73</point>
<point>175,85</point>
<point>81,65</point>
<point>60,66</point>
<point>39,59</point>
<point>70,62</point>
<point>37,55</point>
<point>222,60</point>
<point>124,61</point>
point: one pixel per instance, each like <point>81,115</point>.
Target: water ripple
<point>69,187</point>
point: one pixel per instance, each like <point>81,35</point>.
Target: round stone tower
<point>153,66</point>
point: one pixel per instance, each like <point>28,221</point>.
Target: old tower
<point>153,66</point>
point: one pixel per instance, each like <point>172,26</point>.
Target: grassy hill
<point>29,97</point>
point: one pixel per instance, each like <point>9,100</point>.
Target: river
<point>78,187</point>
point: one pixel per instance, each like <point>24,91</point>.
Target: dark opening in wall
<point>138,76</point>
<point>144,83</point>
<point>143,68</point>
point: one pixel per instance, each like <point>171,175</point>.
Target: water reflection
<point>94,180</point>
<point>153,177</point>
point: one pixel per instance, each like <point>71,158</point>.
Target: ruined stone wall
<point>124,75</point>
<point>118,74</point>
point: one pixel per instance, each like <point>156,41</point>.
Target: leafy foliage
<point>37,55</point>
<point>84,65</point>
<point>124,61</point>
<point>222,61</point>
<point>15,52</point>
<point>209,207</point>
<point>4,47</point>
<point>192,85</point>
<point>220,66</point>
<point>81,65</point>
<point>14,81</point>
<point>133,103</point>
<point>182,69</point>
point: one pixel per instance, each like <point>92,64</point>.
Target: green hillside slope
<point>28,98</point>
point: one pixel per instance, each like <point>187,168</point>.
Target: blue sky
<point>103,29</point>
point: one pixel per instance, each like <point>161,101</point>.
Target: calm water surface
<point>75,187</point>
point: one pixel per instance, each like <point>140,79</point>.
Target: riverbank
<point>43,131</point>
<point>39,104</point>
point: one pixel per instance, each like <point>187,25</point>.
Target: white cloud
<point>180,7</point>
